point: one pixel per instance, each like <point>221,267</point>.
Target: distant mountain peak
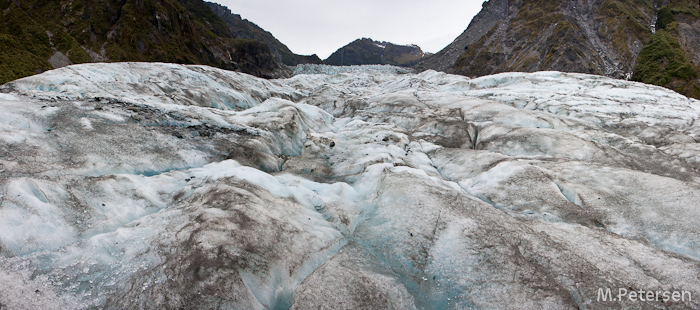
<point>366,51</point>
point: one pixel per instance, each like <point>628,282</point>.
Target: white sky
<point>322,26</point>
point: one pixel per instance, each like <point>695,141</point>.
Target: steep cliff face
<point>599,37</point>
<point>608,37</point>
<point>366,51</point>
<point>37,35</point>
<point>493,12</point>
<point>245,29</point>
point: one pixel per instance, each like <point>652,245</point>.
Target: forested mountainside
<point>38,35</point>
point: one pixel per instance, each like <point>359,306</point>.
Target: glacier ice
<point>149,185</point>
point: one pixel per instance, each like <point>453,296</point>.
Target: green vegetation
<point>625,23</point>
<point>534,16</point>
<point>179,31</point>
<point>204,15</point>
<point>24,45</point>
<point>688,7</point>
<point>663,61</point>
<point>665,18</point>
<point>17,62</point>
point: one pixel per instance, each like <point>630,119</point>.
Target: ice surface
<point>332,70</point>
<point>146,185</point>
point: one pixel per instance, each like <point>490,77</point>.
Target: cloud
<point>321,27</point>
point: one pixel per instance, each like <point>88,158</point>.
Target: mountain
<point>366,51</point>
<point>654,42</point>
<point>38,35</point>
<point>244,29</point>
<point>364,188</point>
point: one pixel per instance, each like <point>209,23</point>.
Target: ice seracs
<point>146,185</point>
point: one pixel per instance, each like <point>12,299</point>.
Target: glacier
<point>151,185</point>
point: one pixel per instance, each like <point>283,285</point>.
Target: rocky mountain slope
<point>163,186</point>
<point>620,39</point>
<point>244,29</point>
<point>36,36</point>
<point>366,51</point>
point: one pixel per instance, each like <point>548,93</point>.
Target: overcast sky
<point>322,26</point>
